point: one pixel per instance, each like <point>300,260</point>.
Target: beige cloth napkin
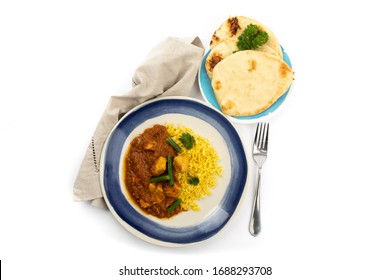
<point>170,69</point>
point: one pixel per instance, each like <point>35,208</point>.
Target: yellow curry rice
<point>204,164</point>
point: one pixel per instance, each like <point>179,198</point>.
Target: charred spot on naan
<point>228,105</point>
<point>233,25</point>
<point>284,70</point>
<point>214,60</point>
<point>252,65</point>
<point>214,39</point>
<point>230,28</point>
<point>217,85</point>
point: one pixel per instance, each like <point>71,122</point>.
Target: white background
<point>325,189</point>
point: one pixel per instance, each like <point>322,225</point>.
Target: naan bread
<point>248,82</point>
<point>223,50</point>
<point>234,26</point>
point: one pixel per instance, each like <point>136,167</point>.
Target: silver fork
<point>260,147</point>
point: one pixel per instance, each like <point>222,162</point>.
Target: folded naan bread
<point>234,26</point>
<point>224,49</point>
<point>248,82</point>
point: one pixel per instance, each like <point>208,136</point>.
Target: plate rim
<point>140,234</point>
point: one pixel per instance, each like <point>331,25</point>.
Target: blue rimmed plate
<point>188,227</point>
<point>208,94</point>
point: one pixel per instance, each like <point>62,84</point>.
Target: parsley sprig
<point>251,38</point>
<point>187,140</point>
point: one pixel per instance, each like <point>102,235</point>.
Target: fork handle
<point>254,223</point>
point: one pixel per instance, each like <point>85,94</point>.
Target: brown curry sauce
<point>144,152</point>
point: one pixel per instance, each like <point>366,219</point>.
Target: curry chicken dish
<point>151,165</point>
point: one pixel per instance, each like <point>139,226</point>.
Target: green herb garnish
<point>187,140</point>
<point>251,38</point>
<point>193,181</point>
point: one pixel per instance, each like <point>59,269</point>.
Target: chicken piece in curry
<point>147,158</point>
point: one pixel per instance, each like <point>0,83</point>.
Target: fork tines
<point>261,136</point>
